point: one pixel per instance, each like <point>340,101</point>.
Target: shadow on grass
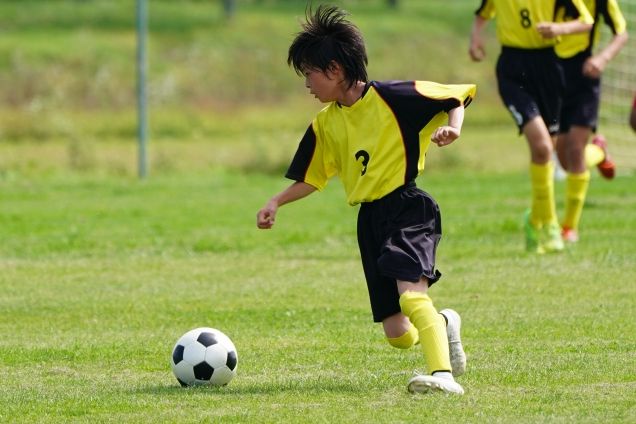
<point>300,387</point>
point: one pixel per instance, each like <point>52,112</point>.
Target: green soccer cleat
<point>551,239</point>
<point>532,235</point>
<point>433,384</point>
<point>455,348</point>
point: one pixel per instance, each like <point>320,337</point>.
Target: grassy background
<point>99,277</point>
<point>67,72</point>
<point>100,273</point>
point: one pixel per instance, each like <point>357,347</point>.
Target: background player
<point>374,136</point>
<point>579,115</point>
<point>632,115</point>
<point>530,84</point>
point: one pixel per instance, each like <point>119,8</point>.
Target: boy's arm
<point>266,216</point>
<point>554,29</point>
<point>477,49</point>
<point>583,23</point>
<point>447,134</point>
<point>594,65</point>
<point>632,116</point>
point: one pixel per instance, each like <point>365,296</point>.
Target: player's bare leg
<point>400,332</point>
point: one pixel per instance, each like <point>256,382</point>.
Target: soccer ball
<point>204,356</point>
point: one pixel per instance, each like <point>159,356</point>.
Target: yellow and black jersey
<point>517,19</point>
<point>609,11</point>
<point>380,142</point>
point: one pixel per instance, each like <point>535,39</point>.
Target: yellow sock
<point>593,155</point>
<point>406,340</point>
<point>542,186</point>
<point>575,191</point>
<point>431,328</point>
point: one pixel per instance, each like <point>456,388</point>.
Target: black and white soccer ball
<point>204,356</point>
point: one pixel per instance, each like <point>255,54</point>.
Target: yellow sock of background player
<point>542,185</point>
<point>575,190</point>
<point>406,340</point>
<point>431,327</point>
<point>593,155</point>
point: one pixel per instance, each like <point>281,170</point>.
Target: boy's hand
<point>266,216</point>
<point>445,135</point>
<point>549,29</point>
<point>477,47</point>
<point>477,50</point>
<point>594,66</point>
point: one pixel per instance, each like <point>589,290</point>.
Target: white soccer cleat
<point>455,348</point>
<point>433,384</point>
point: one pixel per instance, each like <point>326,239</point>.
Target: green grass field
<point>101,273</point>
<point>99,277</point>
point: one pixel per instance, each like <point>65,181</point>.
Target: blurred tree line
<point>229,6</point>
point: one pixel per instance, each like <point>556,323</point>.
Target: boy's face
<point>326,86</point>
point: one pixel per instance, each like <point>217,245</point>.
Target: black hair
<point>327,37</point>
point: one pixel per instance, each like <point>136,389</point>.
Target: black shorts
<point>531,84</point>
<point>582,95</point>
<point>398,237</point>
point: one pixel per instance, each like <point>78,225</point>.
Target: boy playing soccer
<point>579,115</point>
<point>530,84</point>
<point>374,136</point>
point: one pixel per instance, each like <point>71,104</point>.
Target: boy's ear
<point>334,67</point>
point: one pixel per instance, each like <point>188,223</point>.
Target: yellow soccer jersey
<point>570,45</point>
<point>517,19</point>
<point>380,142</point>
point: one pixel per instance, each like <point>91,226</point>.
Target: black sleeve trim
<point>302,159</point>
<point>601,8</point>
<point>411,108</point>
<point>481,7</point>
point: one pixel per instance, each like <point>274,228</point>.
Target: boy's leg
<point>543,211</point>
<point>596,155</point>
<point>575,192</point>
<point>577,180</point>
<point>562,150</point>
<point>431,326</point>
<point>400,332</point>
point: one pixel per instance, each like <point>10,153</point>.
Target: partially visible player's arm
<point>447,134</point>
<point>594,65</point>
<point>632,116</point>
<point>554,29</point>
<point>477,49</point>
<point>267,215</point>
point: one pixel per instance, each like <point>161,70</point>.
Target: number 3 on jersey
<point>365,160</point>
